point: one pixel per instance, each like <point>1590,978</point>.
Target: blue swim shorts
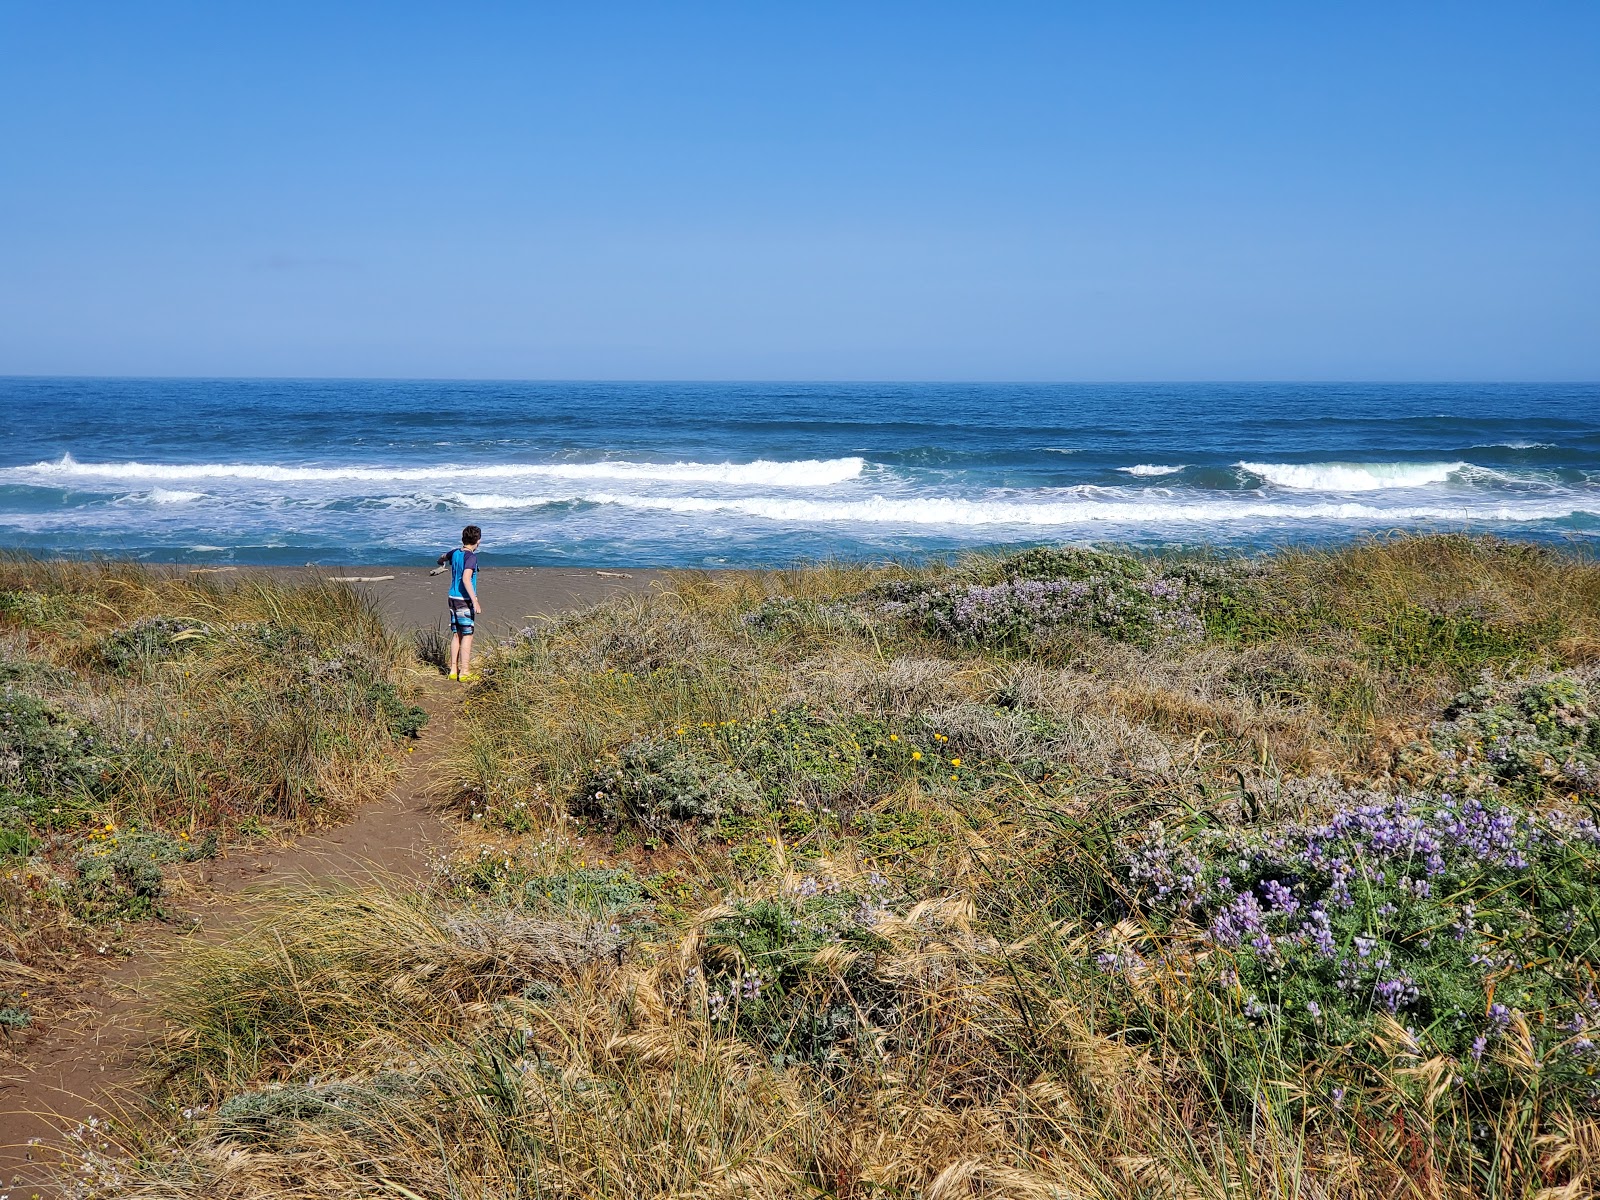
<point>461,617</point>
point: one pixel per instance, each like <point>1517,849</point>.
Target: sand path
<point>86,1064</point>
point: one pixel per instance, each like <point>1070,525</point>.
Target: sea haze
<point>688,474</point>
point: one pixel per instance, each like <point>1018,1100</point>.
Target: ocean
<point>355,472</point>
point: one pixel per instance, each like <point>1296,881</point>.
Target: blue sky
<point>801,191</point>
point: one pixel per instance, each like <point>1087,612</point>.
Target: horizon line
<point>1106,382</point>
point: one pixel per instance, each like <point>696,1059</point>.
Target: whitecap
<point>160,495</point>
<point>797,474</point>
<point>1150,469</point>
<point>491,500</point>
<point>1352,477</point>
<point>955,511</point>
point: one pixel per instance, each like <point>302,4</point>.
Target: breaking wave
<point>1352,477</point>
<point>163,496</point>
<point>803,473</point>
<point>950,511</point>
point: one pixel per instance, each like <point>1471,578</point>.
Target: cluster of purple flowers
<point>1330,901</point>
<point>722,1002</point>
<point>810,886</point>
<point>1420,844</point>
<point>1018,610</point>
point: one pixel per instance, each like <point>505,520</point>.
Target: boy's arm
<point>442,563</point>
<point>466,582</point>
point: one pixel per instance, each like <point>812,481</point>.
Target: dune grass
<point>1057,874</point>
<point>145,715</point>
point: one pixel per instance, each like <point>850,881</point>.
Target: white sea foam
<point>1150,469</point>
<point>1352,477</point>
<point>162,495</point>
<point>798,474</point>
<point>1515,446</point>
<point>952,511</point>
<point>497,500</point>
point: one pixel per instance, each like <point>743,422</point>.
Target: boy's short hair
<point>471,535</point>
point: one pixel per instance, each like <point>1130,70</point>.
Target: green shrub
<point>1127,602</point>
<point>664,785</point>
<point>50,758</point>
<point>602,891</point>
<point>794,754</point>
<point>119,873</point>
<point>1462,641</point>
<point>24,606</point>
<point>402,720</point>
<point>1533,737</point>
<point>795,973</point>
<point>792,616</point>
<point>14,1015</point>
<point>268,1116</point>
<point>151,640</point>
<point>16,839</point>
<point>1067,562</point>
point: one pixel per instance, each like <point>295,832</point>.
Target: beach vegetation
<point>145,716</point>
<point>1066,873</point>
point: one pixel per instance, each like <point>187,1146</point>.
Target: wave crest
<point>802,473</point>
<point>951,511</point>
<point>1352,477</point>
<point>1144,470</point>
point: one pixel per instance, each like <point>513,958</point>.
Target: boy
<point>463,600</point>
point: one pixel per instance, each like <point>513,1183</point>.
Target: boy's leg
<point>455,651</point>
<point>466,653</point>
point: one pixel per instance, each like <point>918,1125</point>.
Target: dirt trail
<point>86,1064</point>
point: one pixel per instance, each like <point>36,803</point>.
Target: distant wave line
<point>801,473</point>
<point>955,511</point>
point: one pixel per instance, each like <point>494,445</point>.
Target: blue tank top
<point>462,561</point>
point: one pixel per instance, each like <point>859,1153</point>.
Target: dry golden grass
<point>148,713</point>
<point>519,1030</point>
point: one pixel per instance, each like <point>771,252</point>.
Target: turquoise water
<point>688,474</point>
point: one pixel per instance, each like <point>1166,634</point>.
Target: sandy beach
<point>512,597</point>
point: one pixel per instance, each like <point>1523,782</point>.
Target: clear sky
<point>752,190</point>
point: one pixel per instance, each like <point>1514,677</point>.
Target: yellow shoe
<point>453,675</point>
<point>469,677</point>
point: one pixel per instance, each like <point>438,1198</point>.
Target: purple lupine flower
<point>1280,897</point>
<point>1392,994</point>
<point>1241,919</point>
<point>1320,932</point>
